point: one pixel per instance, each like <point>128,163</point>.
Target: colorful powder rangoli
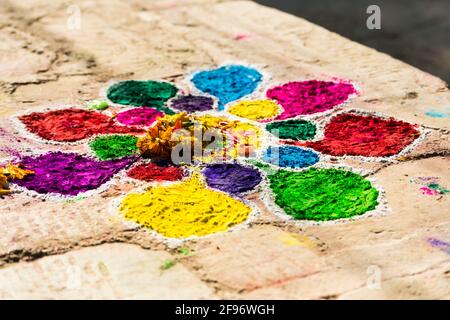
<point>194,154</point>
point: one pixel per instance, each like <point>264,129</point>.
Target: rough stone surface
<point>48,61</point>
<point>108,271</point>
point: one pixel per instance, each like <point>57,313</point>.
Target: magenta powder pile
<point>68,173</point>
<point>308,97</point>
<point>143,116</point>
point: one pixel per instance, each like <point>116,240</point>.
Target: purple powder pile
<point>68,173</point>
<point>143,116</point>
<point>191,103</point>
<point>231,178</point>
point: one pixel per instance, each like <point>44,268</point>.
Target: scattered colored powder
<point>184,251</point>
<point>153,172</point>
<point>369,136</point>
<point>293,239</point>
<point>425,180</point>
<point>438,243</point>
<point>434,189</point>
<point>429,192</point>
<point>292,129</point>
<point>184,209</point>
<point>78,198</point>
<point>241,36</point>
<point>442,245</point>
<point>228,83</point>
<point>231,177</point>
<point>167,264</point>
<point>68,125</point>
<point>322,194</point>
<point>308,97</point>
<point>143,116</point>
<point>256,109</point>
<point>290,156</point>
<point>114,146</point>
<point>98,105</point>
<point>68,173</point>
<point>438,188</point>
<point>438,114</point>
<point>430,186</point>
<point>143,93</point>
<point>103,269</point>
<point>191,103</point>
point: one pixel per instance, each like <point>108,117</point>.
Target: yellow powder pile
<point>256,109</point>
<point>184,209</point>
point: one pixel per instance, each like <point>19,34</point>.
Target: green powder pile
<point>114,146</point>
<point>143,93</point>
<point>322,194</point>
<point>293,129</point>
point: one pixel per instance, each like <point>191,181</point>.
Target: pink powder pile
<point>308,97</point>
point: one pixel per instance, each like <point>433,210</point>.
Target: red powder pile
<point>152,172</point>
<point>369,136</point>
<point>68,125</point>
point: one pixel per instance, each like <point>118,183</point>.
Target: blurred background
<point>415,31</point>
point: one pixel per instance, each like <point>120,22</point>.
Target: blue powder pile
<point>228,83</point>
<point>290,156</point>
